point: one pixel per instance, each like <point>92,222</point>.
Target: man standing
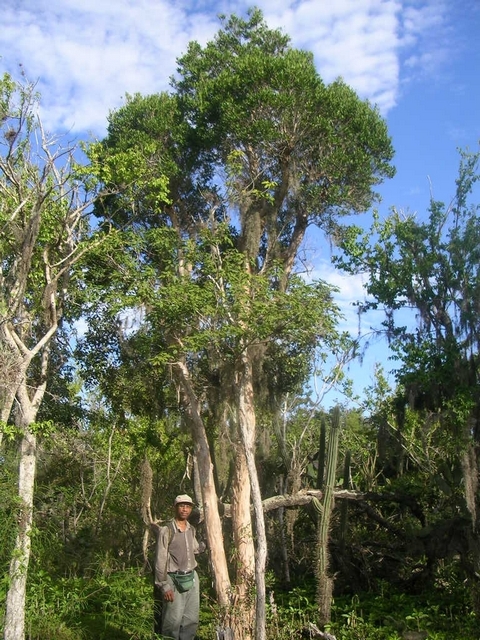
<point>175,574</point>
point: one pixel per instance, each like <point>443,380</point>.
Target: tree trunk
<point>325,508</point>
<point>15,604</point>
<point>213,523</point>
<point>242,615</point>
<point>197,487</point>
<point>247,426</point>
<point>283,537</point>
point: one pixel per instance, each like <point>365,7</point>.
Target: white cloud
<point>426,37</point>
<point>88,55</point>
<point>355,39</point>
<point>350,292</point>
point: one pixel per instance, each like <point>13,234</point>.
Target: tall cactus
<point>321,455</point>
<point>324,509</point>
<point>344,505</point>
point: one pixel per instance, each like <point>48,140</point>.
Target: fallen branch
<point>276,502</point>
<point>315,632</point>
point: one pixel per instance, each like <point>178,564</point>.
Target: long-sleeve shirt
<point>174,551</point>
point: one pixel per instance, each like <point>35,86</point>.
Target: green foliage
<point>87,578</point>
<point>89,487</point>
<point>382,615</point>
<point>119,606</point>
<point>428,430</point>
<point>9,431</point>
<point>122,609</point>
<point>294,150</point>
<point>8,509</point>
<point>115,607</point>
<point>251,147</point>
<point>218,306</point>
<point>135,154</point>
<point>431,266</point>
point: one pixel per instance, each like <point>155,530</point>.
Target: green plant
<point>116,607</point>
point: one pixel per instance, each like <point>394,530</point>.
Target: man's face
<point>183,510</point>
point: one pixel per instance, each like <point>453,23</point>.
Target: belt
<point>180,573</point>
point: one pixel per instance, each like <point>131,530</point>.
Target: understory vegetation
<point>120,607</point>
<point>392,575</point>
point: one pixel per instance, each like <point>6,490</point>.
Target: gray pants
<point>180,617</point>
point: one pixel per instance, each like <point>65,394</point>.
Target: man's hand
<point>169,595</point>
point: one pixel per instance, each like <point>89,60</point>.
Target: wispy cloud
<point>350,292</point>
<point>88,55</point>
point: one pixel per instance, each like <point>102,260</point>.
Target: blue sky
<point>418,60</point>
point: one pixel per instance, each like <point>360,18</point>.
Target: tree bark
<point>303,497</point>
<point>242,524</point>
<point>324,579</point>
<point>242,618</point>
<point>15,604</point>
<point>283,538</point>
<point>213,523</point>
<point>247,426</point>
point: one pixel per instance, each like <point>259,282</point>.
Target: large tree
<point>256,149</point>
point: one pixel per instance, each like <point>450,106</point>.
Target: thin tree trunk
<point>15,604</point>
<point>110,478</point>
<point>283,537</point>
<point>197,487</point>
<point>324,579</point>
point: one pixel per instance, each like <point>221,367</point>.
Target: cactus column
<point>324,509</point>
